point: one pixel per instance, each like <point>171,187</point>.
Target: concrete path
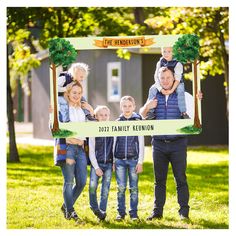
<point>24,135</point>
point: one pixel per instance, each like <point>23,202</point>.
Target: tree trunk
<point>197,123</point>
<point>55,112</point>
<point>13,152</point>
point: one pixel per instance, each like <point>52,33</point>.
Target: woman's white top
<point>76,114</point>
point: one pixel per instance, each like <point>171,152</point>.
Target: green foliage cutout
<point>61,52</point>
<point>186,48</point>
<point>62,133</point>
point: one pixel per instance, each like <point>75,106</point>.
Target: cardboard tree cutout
<point>186,50</point>
<point>61,53</point>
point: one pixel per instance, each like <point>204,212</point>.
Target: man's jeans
<point>77,171</point>
<point>122,168</point>
<point>93,185</point>
<point>174,152</point>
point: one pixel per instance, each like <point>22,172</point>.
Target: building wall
<point>40,101</point>
<point>97,80</point>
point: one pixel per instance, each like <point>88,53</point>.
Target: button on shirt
<point>77,115</point>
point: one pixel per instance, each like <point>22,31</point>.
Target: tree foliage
<point>186,48</point>
<point>61,52</point>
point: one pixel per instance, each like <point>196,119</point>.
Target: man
<point>168,148</point>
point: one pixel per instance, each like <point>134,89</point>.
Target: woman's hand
<point>88,107</point>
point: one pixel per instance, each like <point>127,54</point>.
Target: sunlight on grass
<point>34,194</point>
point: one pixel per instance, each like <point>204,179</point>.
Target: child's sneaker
<point>72,215</point>
<point>120,217</point>
<point>90,117</point>
<point>185,116</point>
<point>99,214</point>
<point>134,218</point>
<point>151,116</point>
<point>63,209</point>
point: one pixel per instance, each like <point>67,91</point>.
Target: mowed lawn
<point>34,194</point>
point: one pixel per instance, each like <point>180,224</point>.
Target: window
<point>113,81</point>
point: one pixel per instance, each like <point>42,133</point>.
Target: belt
<point>60,94</point>
<point>168,140</point>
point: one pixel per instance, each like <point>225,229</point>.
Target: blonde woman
<point>74,165</point>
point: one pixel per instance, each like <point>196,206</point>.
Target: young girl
<point>101,157</point>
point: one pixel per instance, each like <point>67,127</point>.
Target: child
<point>77,72</point>
<point>167,61</point>
<point>128,155</point>
<point>101,157</point>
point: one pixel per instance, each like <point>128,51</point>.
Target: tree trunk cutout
<point>55,127</point>
<point>197,123</point>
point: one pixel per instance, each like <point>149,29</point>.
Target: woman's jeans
<point>106,181</point>
<point>124,167</point>
<point>77,171</point>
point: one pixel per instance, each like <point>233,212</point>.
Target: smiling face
<point>166,78</point>
<point>80,75</point>
<point>103,115</point>
<point>127,107</point>
<point>75,94</point>
<point>167,53</point>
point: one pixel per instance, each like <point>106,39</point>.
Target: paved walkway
<point>24,135</point>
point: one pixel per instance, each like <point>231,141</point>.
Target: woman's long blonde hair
<point>69,88</point>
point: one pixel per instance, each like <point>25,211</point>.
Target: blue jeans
<point>180,90</point>
<point>174,152</point>
<point>93,185</point>
<point>124,167</point>
<point>77,171</point>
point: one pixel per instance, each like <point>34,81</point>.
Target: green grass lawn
<point>34,194</point>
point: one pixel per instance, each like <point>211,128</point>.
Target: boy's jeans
<point>77,171</point>
<point>122,168</point>
<point>93,185</point>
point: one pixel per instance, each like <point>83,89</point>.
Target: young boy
<point>77,72</point>
<point>167,61</point>
<point>128,155</point>
<point>101,157</point>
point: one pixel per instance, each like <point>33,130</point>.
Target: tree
<point>61,52</point>
<point>186,50</point>
<point>19,62</point>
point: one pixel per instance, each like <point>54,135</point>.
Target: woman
<point>75,165</point>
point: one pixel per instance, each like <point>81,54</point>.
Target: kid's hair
<point>69,88</point>
<point>79,66</point>
<point>127,98</point>
<point>101,107</point>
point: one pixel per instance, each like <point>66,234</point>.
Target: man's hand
<point>139,168</point>
<point>151,104</point>
<point>199,95</point>
<point>99,172</point>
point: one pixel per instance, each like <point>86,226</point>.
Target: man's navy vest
<point>167,111</point>
<point>104,149</point>
<point>127,147</point>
